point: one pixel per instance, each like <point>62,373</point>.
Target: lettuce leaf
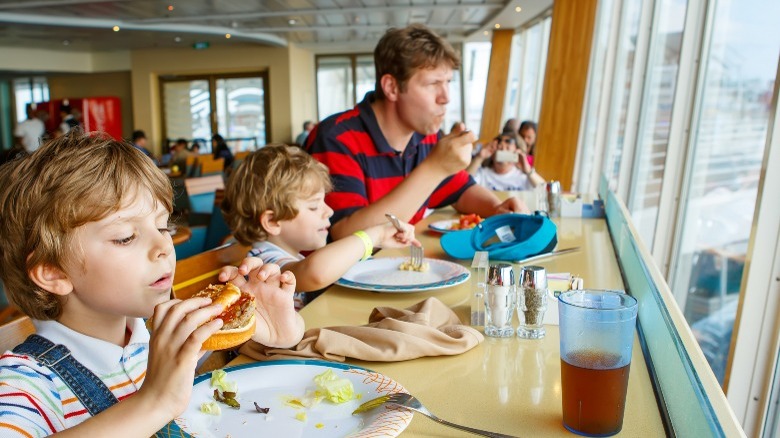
<point>334,388</point>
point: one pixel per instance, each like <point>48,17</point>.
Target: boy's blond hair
<point>272,178</point>
<point>68,182</point>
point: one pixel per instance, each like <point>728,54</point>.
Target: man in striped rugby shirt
<point>387,155</point>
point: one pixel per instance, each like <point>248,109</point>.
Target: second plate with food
<point>444,226</point>
<point>383,275</point>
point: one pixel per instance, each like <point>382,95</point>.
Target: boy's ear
<point>51,279</point>
<point>390,87</point>
<point>269,223</point>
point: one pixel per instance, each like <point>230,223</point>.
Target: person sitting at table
<point>77,213</point>
<point>179,154</point>
<point>527,131</point>
<point>220,149</point>
<point>275,202</point>
<point>501,165</point>
<point>388,153</point>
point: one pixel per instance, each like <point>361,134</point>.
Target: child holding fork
<point>275,202</point>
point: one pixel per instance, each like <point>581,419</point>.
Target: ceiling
<point>320,25</point>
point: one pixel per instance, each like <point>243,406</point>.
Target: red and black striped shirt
<point>363,166</point>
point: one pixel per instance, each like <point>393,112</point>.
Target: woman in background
<point>221,150</point>
<point>527,132</point>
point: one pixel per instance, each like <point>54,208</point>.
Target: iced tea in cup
<point>597,333</point>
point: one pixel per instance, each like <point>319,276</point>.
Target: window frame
<point>212,79</point>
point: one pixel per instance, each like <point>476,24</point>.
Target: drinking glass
<point>597,335</point>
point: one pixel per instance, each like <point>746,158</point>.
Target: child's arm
<point>174,349</point>
<point>324,266</point>
<point>278,324</point>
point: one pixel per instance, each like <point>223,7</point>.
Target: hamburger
<point>238,316</point>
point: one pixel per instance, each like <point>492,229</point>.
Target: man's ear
<point>51,279</point>
<point>389,87</point>
<point>269,223</point>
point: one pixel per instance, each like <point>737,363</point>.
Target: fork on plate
<point>417,253</point>
<point>409,402</point>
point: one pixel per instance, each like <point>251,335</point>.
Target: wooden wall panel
<point>565,81</point>
<point>495,91</point>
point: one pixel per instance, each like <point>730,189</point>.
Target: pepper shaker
<point>500,301</point>
<point>532,302</point>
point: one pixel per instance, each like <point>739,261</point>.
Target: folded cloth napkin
<point>428,328</point>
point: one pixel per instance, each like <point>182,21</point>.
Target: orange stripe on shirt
<point>127,382</point>
<point>16,428</point>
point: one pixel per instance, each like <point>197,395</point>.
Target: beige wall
<point>303,92</point>
<point>115,84</point>
<point>49,61</point>
<point>148,65</point>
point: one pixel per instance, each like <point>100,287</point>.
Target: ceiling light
<point>485,33</point>
<point>170,7</point>
<point>227,35</point>
<point>65,42</point>
<point>518,9</point>
<point>292,21</point>
<point>116,28</point>
<point>234,24</point>
<point>498,26</point>
<point>177,39</point>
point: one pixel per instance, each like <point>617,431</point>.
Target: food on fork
<point>407,265</point>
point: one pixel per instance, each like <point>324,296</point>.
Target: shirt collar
<point>96,354</point>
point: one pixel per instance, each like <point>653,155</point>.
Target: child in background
<point>275,201</point>
<point>86,253</point>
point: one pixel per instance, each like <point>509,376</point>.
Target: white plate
<point>270,384</point>
<point>382,275</point>
<point>444,226</point>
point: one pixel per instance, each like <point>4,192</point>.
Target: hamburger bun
<point>238,316</point>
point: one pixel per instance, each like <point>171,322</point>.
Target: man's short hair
<point>137,135</point>
<point>68,182</point>
<point>401,52</point>
<point>306,124</point>
<point>272,178</point>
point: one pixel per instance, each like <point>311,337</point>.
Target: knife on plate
<point>548,254</point>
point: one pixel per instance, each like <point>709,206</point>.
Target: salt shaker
<point>500,301</point>
<point>532,302</point>
<point>553,198</point>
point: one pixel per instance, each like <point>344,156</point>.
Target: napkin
<point>428,328</point>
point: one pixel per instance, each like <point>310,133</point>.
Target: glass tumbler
<point>597,335</point>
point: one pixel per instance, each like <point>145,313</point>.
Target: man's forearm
<point>403,201</point>
<point>479,200</point>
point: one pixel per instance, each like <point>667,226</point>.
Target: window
<point>656,117</point>
<point>335,86</point>
<point>27,91</point>
<point>476,62</point>
<point>523,100</point>
<point>344,80</point>
<point>233,106</point>
<point>626,52</point>
<point>729,134</point>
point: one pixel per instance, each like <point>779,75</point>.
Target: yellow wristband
<point>367,243</point>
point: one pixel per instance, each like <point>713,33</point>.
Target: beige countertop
<point>512,385</point>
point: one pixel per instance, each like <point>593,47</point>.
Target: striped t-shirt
<point>364,167</point>
<point>270,253</point>
<point>35,402</point>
